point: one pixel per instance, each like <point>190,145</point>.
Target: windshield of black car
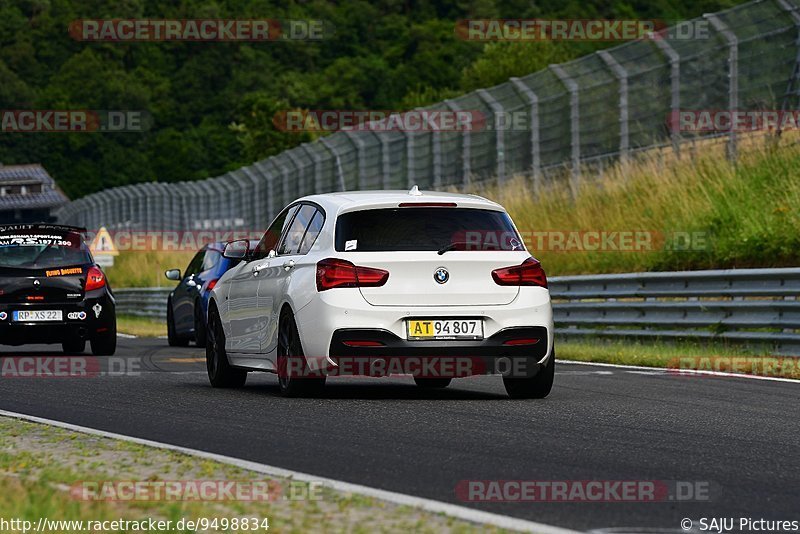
<point>425,229</point>
<point>28,250</point>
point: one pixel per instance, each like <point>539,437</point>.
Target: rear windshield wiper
<point>451,246</point>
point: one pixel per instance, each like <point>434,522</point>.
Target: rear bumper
<point>93,323</point>
<point>344,309</point>
<point>439,359</point>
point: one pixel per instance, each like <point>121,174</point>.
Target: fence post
<point>386,162</point>
<point>466,141</point>
<point>733,76</point>
<point>317,167</point>
<point>436,148</point>
<point>269,179</point>
<point>258,217</point>
<point>339,171</point>
<point>675,90</point>
<point>127,203</point>
<point>622,77</point>
<point>358,143</point>
<point>500,145</point>
<point>532,100</point>
<point>298,165</point>
<point>115,206</point>
<point>792,11</point>
<point>410,158</point>
<point>574,116</point>
<point>284,179</point>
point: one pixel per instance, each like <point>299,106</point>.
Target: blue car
<point>187,304</point>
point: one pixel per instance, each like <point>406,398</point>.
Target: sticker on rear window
<point>351,245</point>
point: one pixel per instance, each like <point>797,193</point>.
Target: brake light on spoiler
<point>530,273</point>
<point>333,272</point>
<point>427,205</point>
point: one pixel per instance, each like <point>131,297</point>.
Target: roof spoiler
<point>41,226</point>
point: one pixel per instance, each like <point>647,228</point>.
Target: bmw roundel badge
<point>441,275</point>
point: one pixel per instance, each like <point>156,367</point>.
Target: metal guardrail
<point>757,307</point>
<point>143,302</point>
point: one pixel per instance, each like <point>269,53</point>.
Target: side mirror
<point>173,274</point>
<point>236,250</point>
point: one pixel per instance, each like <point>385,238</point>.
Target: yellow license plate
<point>444,329</point>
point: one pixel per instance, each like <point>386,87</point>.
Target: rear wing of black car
<point>28,227</point>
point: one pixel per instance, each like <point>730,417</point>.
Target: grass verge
<point>56,474</point>
<point>687,356</point>
<point>141,326</point>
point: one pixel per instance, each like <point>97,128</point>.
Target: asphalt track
<point>739,438</point>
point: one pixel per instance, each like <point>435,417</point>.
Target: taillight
<point>211,284</point>
<point>95,279</point>
<point>530,273</point>
<point>334,272</point>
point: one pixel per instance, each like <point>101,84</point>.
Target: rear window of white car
<point>425,229</point>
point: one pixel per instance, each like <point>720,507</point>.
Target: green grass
<point>746,215</point>
<point>39,464</point>
<point>145,268</point>
<point>141,326</point>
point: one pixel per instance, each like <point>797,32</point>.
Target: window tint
<point>195,265</point>
<point>36,250</point>
<point>425,229</point>
<point>312,232</point>
<point>294,235</point>
<point>273,233</point>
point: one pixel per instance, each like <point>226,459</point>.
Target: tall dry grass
<point>729,216</point>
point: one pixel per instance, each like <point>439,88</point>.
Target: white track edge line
<point>679,372</point>
<point>430,505</point>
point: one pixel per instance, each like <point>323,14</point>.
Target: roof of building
<point>50,195</point>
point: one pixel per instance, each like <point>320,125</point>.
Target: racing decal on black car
<point>64,272</point>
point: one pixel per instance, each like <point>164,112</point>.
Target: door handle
<point>258,268</point>
<point>288,265</point>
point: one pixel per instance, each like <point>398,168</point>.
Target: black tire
<point>105,343</point>
<point>200,333</point>
<point>433,383</point>
<point>220,372</point>
<point>294,377</point>
<point>74,345</point>
<point>173,338</point>
<point>535,387</point>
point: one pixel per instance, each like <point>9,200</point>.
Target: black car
<point>187,305</point>
<point>51,290</point>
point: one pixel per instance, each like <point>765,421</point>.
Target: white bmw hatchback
<point>433,285</point>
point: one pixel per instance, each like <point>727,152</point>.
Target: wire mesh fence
<point>554,124</point>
